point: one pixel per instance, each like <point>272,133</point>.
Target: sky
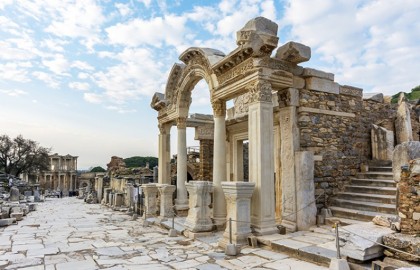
<point>78,75</point>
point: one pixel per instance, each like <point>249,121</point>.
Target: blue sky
<point>78,75</point>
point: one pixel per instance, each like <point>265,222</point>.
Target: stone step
<point>380,163</point>
<point>375,175</point>
<point>373,182</point>
<point>371,190</point>
<point>364,206</point>
<point>355,214</point>
<point>379,198</point>
<point>380,169</point>
<point>304,251</point>
<point>343,221</point>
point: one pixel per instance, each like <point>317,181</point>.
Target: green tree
<point>138,161</point>
<point>413,95</point>
<point>21,155</point>
<point>97,169</point>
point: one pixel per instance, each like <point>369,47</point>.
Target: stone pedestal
<point>199,217</point>
<point>166,201</point>
<point>14,194</point>
<point>150,200</point>
<point>238,198</point>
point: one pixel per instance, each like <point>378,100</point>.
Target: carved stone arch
<point>198,65</point>
<point>171,85</point>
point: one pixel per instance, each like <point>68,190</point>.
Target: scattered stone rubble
<point>15,206</point>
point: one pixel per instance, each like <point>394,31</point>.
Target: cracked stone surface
<point>67,234</point>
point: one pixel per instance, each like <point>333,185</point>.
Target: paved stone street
<point>69,234</point>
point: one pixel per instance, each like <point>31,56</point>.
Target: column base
<point>264,228</point>
<point>219,223</point>
<point>238,240</point>
<point>290,225</point>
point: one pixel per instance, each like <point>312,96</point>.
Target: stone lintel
<point>205,132</point>
<point>328,112</point>
<point>311,72</point>
<point>322,85</point>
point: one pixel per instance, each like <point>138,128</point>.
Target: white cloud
<point>59,64</point>
<point>92,98</point>
<point>138,73</point>
<point>55,45</point>
<point>146,3</point>
<point>13,71</point>
<point>47,78</point>
<point>4,3</point>
<point>372,44</point>
<point>76,19</point>
<point>83,75</point>
<point>82,65</point>
<point>82,86</point>
<point>124,9</point>
<point>120,110</point>
<point>13,92</point>
<point>169,30</point>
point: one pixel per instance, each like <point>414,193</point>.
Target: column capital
<point>219,108</point>
<point>288,97</point>
<point>260,91</point>
<point>164,128</point>
<point>181,122</point>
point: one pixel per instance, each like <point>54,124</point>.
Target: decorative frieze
<point>238,70</point>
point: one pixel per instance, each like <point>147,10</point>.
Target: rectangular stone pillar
<point>289,144</point>
<point>238,199</point>
<point>305,190</point>
<point>261,159</point>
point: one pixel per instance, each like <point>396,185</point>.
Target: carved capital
<point>181,122</point>
<point>260,91</point>
<point>219,108</point>
<point>288,97</point>
<point>164,128</point>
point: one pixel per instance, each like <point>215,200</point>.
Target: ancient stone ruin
<point>296,147</point>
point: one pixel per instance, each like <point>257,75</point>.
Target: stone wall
<point>329,126</point>
<point>409,198</point>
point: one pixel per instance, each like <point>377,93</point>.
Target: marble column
<point>166,201</point>
<point>150,200</point>
<point>199,217</point>
<point>181,202</point>
<point>261,157</point>
<point>238,199</point>
<point>164,171</point>
<point>219,162</point>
